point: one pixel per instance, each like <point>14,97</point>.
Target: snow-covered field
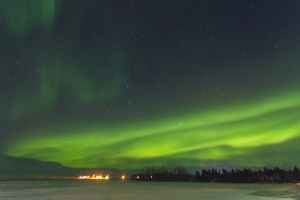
<point>111,190</point>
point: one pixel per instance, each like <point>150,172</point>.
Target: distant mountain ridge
<point>13,166</point>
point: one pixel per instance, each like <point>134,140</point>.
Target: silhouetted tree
<point>197,177</point>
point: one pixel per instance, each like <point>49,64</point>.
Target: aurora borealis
<point>128,84</point>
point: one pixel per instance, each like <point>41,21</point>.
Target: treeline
<point>163,173</point>
<point>246,175</point>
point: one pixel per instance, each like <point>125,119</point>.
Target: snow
<point>112,190</point>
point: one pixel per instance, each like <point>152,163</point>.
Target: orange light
<point>94,177</point>
<point>123,177</point>
<point>98,177</point>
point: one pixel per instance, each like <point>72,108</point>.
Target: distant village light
<point>95,177</point>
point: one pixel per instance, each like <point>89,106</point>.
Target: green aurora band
<point>22,16</point>
<point>232,134</point>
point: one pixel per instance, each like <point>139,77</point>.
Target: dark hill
<point>12,166</point>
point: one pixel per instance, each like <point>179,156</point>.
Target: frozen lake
<point>113,189</point>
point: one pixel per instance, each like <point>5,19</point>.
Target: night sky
<point>128,84</point>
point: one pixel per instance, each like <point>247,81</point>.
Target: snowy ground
<point>111,190</point>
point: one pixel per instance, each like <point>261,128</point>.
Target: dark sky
<point>128,84</point>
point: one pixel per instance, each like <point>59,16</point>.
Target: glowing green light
<point>22,16</point>
<point>55,75</point>
<point>198,135</point>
